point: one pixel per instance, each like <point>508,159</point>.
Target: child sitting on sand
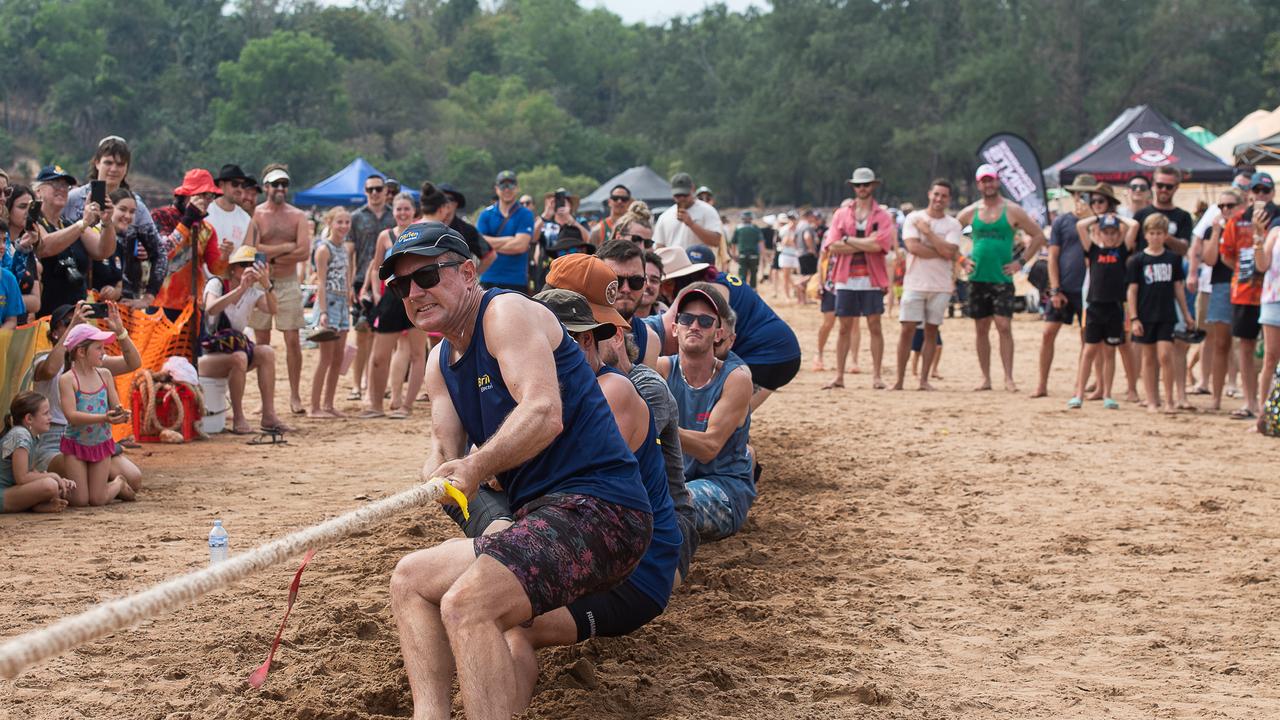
<point>90,405</point>
<point>22,487</point>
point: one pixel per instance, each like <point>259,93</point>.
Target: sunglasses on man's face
<point>861,185</point>
<point>425,277</point>
<point>1139,187</point>
<point>635,282</point>
<point>506,185</point>
<point>1263,190</point>
<point>375,189</point>
<point>620,198</point>
<point>1167,186</point>
<point>704,321</point>
<point>237,184</point>
<point>647,242</point>
<point>279,184</point>
<point>679,195</point>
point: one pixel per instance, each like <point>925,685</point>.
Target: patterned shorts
<point>718,515</point>
<point>987,299</point>
<point>564,546</point>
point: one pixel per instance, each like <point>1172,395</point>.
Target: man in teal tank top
<point>995,222</point>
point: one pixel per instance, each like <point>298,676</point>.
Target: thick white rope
<point>26,650</point>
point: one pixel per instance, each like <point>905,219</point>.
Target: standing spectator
<point>1155,296</point>
<point>689,221</point>
<point>1242,243</point>
<point>635,226</point>
<point>110,164</point>
<point>1166,180</point>
<point>1139,197</point>
<point>193,243</point>
<point>119,278</point>
<point>807,244</point>
<point>547,227</point>
<point>508,228</point>
<point>1203,276</point>
<point>1267,262</point>
<point>367,223</point>
<point>746,247</point>
<point>650,305</point>
<point>481,250</point>
<point>283,233</point>
<point>66,247</point>
<point>618,203</point>
<point>932,239</point>
<point>332,309</point>
<point>249,195</point>
<point>1067,269</point>
<point>22,235</point>
<point>704,194</point>
<point>995,222</point>
<point>1108,241</point>
<point>859,238</point>
<point>1216,319</point>
<point>228,219</point>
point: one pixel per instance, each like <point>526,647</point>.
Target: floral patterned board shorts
<point>564,546</point>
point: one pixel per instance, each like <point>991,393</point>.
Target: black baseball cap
<point>505,176</point>
<point>49,173</point>
<point>454,194</point>
<point>429,239</point>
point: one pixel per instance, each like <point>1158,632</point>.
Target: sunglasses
<point>279,184</point>
<point>679,195</point>
<point>1263,190</point>
<point>646,241</point>
<point>635,282</point>
<point>704,321</point>
<point>1166,186</point>
<point>1139,187</point>
<point>861,185</point>
<point>506,185</point>
<point>1227,206</point>
<point>527,203</point>
<point>375,189</point>
<point>237,184</point>
<point>620,198</point>
<point>1099,200</point>
<point>425,277</point>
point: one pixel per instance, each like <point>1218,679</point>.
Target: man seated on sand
<point>509,380</point>
<point>714,397</point>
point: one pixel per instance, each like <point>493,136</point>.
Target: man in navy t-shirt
<point>508,228</point>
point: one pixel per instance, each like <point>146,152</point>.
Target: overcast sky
<point>659,11</point>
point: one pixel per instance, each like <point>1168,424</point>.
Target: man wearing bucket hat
<point>509,381</point>
<point>1064,296</point>
<point>763,341</point>
<point>858,240</point>
<point>196,252</point>
<point>689,221</point>
<point>995,222</point>
<point>282,233</point>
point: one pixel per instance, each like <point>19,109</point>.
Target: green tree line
<point>772,106</point>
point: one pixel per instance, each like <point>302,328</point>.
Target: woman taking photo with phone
<point>21,237</point>
<point>119,278</point>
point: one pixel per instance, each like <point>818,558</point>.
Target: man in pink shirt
<point>859,238</point>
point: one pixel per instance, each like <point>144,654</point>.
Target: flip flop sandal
<point>1242,414</point>
<point>268,438</point>
<point>370,415</point>
<point>398,415</point>
<point>1075,403</point>
<point>1110,404</point>
<point>354,395</point>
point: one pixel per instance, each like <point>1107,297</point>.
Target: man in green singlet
<point>995,222</point>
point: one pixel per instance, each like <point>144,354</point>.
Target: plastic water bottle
<point>217,543</point>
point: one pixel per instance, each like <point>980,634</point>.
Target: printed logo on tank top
<point>484,382</point>
<point>733,280</point>
<point>703,416</point>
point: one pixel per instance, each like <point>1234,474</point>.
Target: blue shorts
<point>827,302</point>
<point>859,303</point>
<point>336,311</point>
<point>1219,304</point>
<point>1270,315</point>
<point>720,511</point>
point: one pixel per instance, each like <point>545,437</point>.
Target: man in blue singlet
<point>714,397</point>
<point>766,344</point>
<point>509,380</point>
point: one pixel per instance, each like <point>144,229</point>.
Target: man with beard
<point>995,223</point>
<point>626,259</point>
<point>283,234</point>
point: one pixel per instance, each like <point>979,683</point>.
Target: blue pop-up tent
<point>345,187</point>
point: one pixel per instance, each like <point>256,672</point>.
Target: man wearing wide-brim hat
<point>1064,299</point>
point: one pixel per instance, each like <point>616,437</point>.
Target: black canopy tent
<point>642,181</point>
<point>1140,140</point>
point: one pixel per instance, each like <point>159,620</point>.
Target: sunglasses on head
<point>635,282</point>
<point>279,184</point>
<point>425,277</point>
<point>375,188</point>
<point>619,198</point>
<point>704,321</point>
<point>1167,186</point>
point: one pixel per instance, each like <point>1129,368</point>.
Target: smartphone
<point>95,311</point>
<point>1257,204</point>
<point>98,192</point>
<point>260,258</point>
<point>33,212</point>
<point>562,198</point>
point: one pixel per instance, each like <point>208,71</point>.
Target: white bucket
<point>215,405</point>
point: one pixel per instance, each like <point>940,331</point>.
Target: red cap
<point>197,181</point>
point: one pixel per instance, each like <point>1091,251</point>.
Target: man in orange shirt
<point>1241,240</point>
<point>192,240</point>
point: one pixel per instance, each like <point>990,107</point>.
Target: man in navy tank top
<point>714,397</point>
<point>508,380</point>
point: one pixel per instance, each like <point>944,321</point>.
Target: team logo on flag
<point>1152,149</point>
